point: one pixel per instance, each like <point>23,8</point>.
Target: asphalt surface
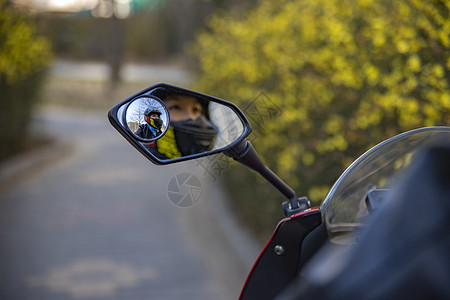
<point>88,217</point>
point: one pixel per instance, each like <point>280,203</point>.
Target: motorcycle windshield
<point>344,208</point>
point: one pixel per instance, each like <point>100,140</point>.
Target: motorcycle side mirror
<point>190,124</point>
<point>193,125</point>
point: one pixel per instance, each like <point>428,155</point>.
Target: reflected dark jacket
<point>146,133</point>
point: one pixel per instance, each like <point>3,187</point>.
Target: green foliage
<point>22,52</point>
<point>23,57</point>
<point>346,73</point>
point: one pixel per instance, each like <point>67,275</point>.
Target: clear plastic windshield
<point>344,207</point>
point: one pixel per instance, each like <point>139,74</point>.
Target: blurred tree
<point>346,74</point>
<point>23,57</point>
<point>155,31</point>
<point>22,52</point>
<point>159,29</point>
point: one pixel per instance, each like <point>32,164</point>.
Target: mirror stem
<point>245,154</point>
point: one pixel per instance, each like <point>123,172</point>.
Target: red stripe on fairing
<point>305,212</point>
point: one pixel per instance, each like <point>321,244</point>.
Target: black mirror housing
<point>217,125</point>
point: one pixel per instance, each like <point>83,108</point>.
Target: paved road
<point>96,223</point>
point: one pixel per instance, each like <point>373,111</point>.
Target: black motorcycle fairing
<point>312,243</point>
<point>281,260</point>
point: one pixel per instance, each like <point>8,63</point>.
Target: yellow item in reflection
<point>152,123</point>
<point>167,145</point>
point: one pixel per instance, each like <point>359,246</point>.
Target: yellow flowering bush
<point>24,56</point>
<point>22,51</point>
<point>346,74</point>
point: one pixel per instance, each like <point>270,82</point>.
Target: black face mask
<point>194,136</point>
<point>158,123</point>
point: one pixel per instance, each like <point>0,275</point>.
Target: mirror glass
<point>147,118</point>
<point>198,124</point>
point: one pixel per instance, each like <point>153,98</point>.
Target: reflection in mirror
<point>147,118</point>
<point>197,124</point>
<point>230,127</point>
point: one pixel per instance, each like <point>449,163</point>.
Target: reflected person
<point>153,124</point>
<point>190,130</point>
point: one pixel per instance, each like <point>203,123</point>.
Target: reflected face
<point>146,110</point>
<point>183,108</point>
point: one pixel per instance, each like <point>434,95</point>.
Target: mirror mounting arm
<point>245,154</point>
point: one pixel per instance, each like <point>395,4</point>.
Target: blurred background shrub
<point>24,55</point>
<point>345,75</point>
